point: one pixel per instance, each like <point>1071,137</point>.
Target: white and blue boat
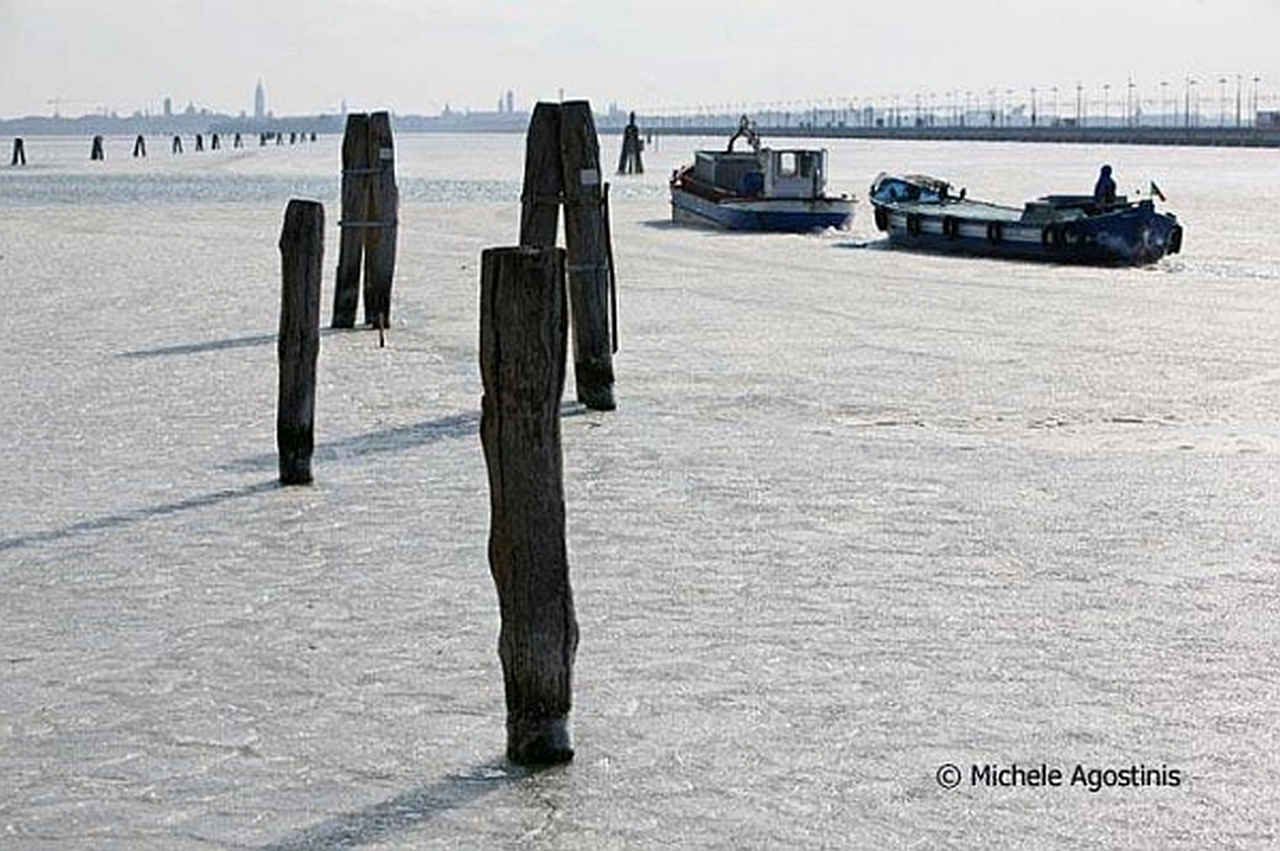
<point>763,189</point>
<point>920,212</point>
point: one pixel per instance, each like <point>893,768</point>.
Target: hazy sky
<point>417,55</point>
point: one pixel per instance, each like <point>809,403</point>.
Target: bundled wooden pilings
<point>370,209</point>
<point>522,363</point>
<point>139,146</point>
<point>19,153</point>
<point>199,143</point>
<point>301,266</point>
<point>95,152</point>
<point>629,161</point>
<point>177,144</point>
<point>562,163</point>
<point>214,142</point>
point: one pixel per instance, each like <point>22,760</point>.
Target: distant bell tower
<point>259,101</point>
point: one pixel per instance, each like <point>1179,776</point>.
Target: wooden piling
<point>19,153</point>
<point>177,144</point>
<point>293,138</point>
<point>301,264</point>
<point>522,364</point>
<point>199,143</point>
<point>95,152</point>
<point>262,139</point>
<point>214,143</point>
<point>589,261</point>
<point>540,198</point>
<point>381,227</point>
<point>237,142</point>
<point>280,138</point>
<point>562,163</point>
<point>629,161</point>
<point>355,209</point>
<point>139,146</point>
<point>313,137</point>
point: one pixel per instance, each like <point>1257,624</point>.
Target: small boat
<point>763,189</point>
<point>920,212</point>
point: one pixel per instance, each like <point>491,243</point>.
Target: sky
<point>416,56</point>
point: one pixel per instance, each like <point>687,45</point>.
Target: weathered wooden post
<point>313,137</point>
<point>629,161</point>
<point>293,138</point>
<point>139,146</point>
<point>177,144</point>
<point>19,153</point>
<point>214,143</point>
<point>262,139</point>
<point>522,364</point>
<point>562,161</point>
<point>95,152</point>
<point>301,265</point>
<point>381,227</point>
<point>280,138</point>
<point>355,210</point>
<point>199,143</point>
<point>237,142</point>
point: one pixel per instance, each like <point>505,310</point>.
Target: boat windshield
<point>890,189</point>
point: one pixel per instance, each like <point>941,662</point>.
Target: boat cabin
<point>766,173</point>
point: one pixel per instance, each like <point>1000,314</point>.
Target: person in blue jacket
<point>1104,191</point>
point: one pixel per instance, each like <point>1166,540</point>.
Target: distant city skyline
<point>61,55</point>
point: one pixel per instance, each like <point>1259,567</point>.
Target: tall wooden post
<point>380,231</point>
<point>355,211</point>
<point>589,261</point>
<point>540,199</point>
<point>522,364</point>
<point>562,162</point>
<point>301,264</point>
<point>19,153</point>
<point>177,144</point>
<point>214,143</point>
<point>139,146</point>
<point>199,143</point>
<point>630,161</point>
<point>95,153</point>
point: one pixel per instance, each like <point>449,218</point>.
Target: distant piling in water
<point>369,223</point>
<point>177,144</point>
<point>140,146</point>
<point>562,164</point>
<point>237,143</point>
<point>19,153</point>
<point>629,161</point>
<point>214,142</point>
<point>199,143</point>
<point>301,267</point>
<point>523,326</point>
<point>95,152</point>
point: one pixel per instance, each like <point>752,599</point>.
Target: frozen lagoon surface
<point>859,514</point>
